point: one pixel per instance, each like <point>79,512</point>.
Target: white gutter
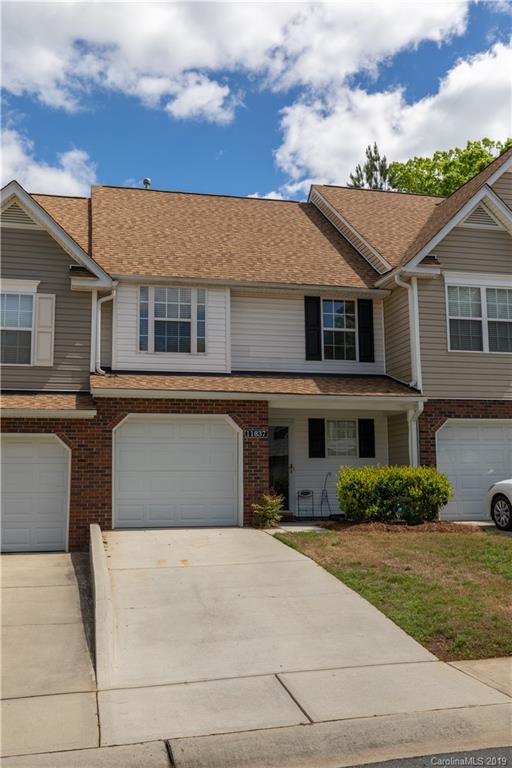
<point>413,415</point>
<point>99,304</point>
<point>414,329</point>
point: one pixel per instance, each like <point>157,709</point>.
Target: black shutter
<point>366,434</point>
<point>316,433</point>
<point>313,328</point>
<point>365,330</point>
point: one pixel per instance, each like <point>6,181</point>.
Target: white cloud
<point>324,138</point>
<point>72,175</point>
<point>57,51</point>
<point>201,98</point>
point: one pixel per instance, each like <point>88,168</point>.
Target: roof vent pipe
<point>146,182</point>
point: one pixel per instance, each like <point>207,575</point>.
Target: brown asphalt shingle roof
<point>46,402</point>
<point>71,213</point>
<point>388,221</point>
<point>399,225</point>
<point>148,232</point>
<point>266,384</point>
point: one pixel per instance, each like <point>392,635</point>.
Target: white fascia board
<point>484,193</point>
<point>14,189</point>
<point>337,215</point>
<point>89,284</point>
<point>292,287</point>
<point>501,170</point>
<point>46,413</point>
<point>293,400</point>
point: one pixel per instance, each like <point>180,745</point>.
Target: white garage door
<point>175,472</point>
<point>34,493</point>
<point>474,455</point>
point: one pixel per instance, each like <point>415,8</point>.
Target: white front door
<point>35,479</point>
<point>474,454</point>
<point>172,471</point>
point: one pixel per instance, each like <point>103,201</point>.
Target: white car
<point>500,504</point>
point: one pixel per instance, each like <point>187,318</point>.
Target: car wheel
<point>501,511</point>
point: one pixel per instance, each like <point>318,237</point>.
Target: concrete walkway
<point>48,683</point>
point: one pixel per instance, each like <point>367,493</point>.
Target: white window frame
<point>192,320</point>
<point>341,455</point>
<point>349,330</point>
<point>22,288</point>
<point>482,282</point>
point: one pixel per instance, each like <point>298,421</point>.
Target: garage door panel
<point>176,473</point>
<point>474,457</point>
<point>34,493</point>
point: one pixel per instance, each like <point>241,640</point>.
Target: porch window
<point>339,329</point>
<point>16,320</point>
<point>172,319</point>
<point>480,319</point>
<point>341,437</point>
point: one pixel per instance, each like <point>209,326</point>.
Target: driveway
<point>226,630</point>
<point>48,682</point>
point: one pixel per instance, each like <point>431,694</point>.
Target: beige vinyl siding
<point>125,329</point>
<point>476,375</point>
<point>503,188</point>
<point>268,334</point>
<point>309,474</point>
<point>34,255</point>
<point>398,439</point>
<point>476,250</point>
<point>106,334</point>
<point>397,335</point>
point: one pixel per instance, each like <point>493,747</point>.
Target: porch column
<point>413,415</point>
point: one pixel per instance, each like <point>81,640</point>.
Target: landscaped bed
<point>449,586</point>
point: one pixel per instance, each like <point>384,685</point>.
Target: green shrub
<point>392,494</point>
<point>268,512</point>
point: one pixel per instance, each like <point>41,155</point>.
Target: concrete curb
<point>104,626</point>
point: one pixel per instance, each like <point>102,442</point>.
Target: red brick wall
<point>90,441</point>
<point>437,411</point>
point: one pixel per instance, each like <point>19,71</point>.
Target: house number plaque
<point>261,434</point>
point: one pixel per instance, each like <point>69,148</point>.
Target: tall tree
<point>373,173</point>
<point>445,171</point>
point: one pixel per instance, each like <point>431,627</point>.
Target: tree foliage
<point>374,172</point>
<point>440,174</point>
<point>445,171</point>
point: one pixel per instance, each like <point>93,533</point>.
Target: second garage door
<point>175,472</point>
<point>474,454</point>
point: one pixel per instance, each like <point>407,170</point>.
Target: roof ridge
<point>386,191</point>
<point>199,194</point>
<point>66,197</point>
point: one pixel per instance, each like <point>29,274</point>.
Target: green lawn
<point>447,586</point>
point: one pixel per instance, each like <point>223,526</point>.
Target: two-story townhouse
<point>169,356</point>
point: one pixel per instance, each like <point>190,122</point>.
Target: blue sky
<point>262,115</point>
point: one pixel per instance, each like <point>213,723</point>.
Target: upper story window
<point>172,319</point>
<point>16,321</point>
<point>339,329</point>
<point>479,318</point>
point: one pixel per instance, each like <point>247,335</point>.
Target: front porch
<point>308,445</point>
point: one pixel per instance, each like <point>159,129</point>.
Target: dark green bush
<point>392,494</point>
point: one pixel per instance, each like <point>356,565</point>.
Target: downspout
<point>413,414</point>
<point>99,304</point>
<point>414,331</point>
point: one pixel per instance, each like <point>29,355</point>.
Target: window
<point>172,319</point>
<point>341,438</point>
<point>465,313</point>
<point>499,319</point>
<point>339,329</point>
<point>480,319</point>
<point>16,318</point>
